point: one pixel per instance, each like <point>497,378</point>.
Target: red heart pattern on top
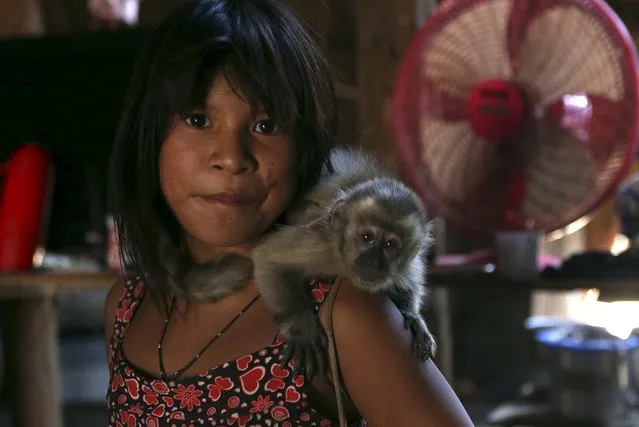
<point>224,383</point>
<point>298,380</point>
<point>278,371</point>
<point>133,388</point>
<point>251,380</point>
<point>274,384</point>
<point>292,395</point>
<point>243,362</point>
<point>159,411</point>
<point>255,389</point>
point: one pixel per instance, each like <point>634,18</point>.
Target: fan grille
<point>576,54</point>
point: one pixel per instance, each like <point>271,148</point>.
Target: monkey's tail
<point>215,279</point>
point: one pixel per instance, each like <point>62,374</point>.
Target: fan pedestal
<point>451,303</point>
<point>517,254</point>
<point>448,241</point>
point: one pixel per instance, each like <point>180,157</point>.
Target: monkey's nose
<point>370,269</point>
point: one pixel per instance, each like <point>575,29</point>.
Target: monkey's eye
<point>391,244</point>
<point>368,237</point>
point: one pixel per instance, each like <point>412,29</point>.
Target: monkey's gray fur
<point>208,281</point>
<point>338,230</point>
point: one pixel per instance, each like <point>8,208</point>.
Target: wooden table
<point>30,334</point>
<point>30,340</point>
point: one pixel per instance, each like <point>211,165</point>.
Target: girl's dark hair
<point>270,60</point>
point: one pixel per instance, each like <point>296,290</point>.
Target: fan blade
<point>558,171</point>
<point>522,14</point>
<point>441,104</point>
<point>595,120</point>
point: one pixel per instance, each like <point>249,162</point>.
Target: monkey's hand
<point>306,343</point>
<point>423,342</point>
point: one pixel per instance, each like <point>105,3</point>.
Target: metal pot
<point>592,372</point>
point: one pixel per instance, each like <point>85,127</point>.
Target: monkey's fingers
<point>295,351</point>
<point>423,342</point>
<point>321,361</point>
<point>421,349</point>
<point>321,354</point>
<point>306,343</point>
<point>323,341</point>
<point>409,321</point>
<point>287,355</point>
<point>318,358</point>
<point>309,363</point>
<point>317,354</point>
<point>299,354</point>
<point>306,361</point>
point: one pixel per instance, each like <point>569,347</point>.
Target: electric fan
<point>517,115</point>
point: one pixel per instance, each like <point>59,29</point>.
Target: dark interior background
<point>65,93</point>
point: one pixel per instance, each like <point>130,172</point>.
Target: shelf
<point>468,277</point>
<point>36,283</point>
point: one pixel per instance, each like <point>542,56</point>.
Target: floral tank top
<point>254,390</point>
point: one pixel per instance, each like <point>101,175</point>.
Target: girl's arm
<point>387,384</point>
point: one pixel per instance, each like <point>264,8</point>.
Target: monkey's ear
<point>337,214</point>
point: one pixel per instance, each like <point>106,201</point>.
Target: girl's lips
<point>223,199</point>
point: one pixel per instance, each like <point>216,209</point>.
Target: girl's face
<point>226,175</point>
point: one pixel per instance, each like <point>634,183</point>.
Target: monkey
<point>208,281</point>
<point>357,223</point>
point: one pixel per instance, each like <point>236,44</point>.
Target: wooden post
<point>19,18</point>
<point>32,353</point>
<point>384,30</point>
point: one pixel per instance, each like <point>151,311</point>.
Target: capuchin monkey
<point>358,223</point>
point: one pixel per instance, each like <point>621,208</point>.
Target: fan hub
<point>496,109</point>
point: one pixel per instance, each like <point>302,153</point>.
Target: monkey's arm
<point>370,338</point>
<point>409,303</point>
<point>283,263</point>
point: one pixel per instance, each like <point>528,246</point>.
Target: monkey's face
<point>378,244</point>
<point>376,248</point>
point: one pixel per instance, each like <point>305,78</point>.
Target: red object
<point>517,114</point>
<point>495,109</point>
<point>114,261</point>
<point>23,204</point>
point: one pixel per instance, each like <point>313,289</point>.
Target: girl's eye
<point>198,121</point>
<point>266,127</point>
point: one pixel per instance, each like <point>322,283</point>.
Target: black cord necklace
<point>176,374</point>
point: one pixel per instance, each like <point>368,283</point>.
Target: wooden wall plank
<point>20,18</point>
<point>384,30</point>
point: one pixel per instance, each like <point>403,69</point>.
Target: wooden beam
<point>38,284</point>
<point>384,30</point>
<point>315,14</point>
<point>346,91</point>
<point>30,332</point>
<point>19,18</point>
